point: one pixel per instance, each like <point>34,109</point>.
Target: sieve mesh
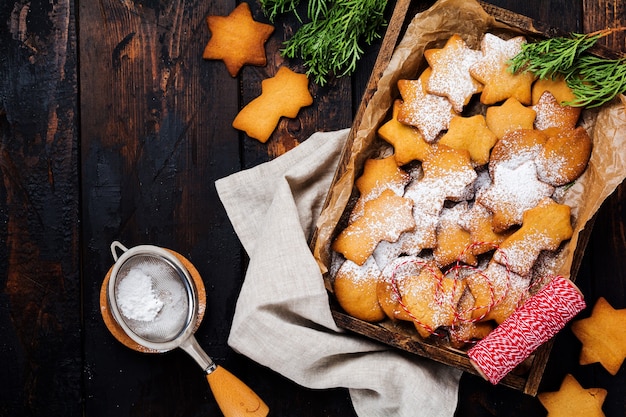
<point>154,297</point>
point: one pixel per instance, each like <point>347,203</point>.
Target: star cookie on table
<point>281,96</point>
<point>511,115</point>
<point>492,70</point>
<point>408,143</point>
<point>237,39</point>
<point>430,113</point>
<point>551,114</point>
<point>573,400</point>
<point>471,134</point>
<point>544,227</point>
<point>603,336</point>
<point>451,77</point>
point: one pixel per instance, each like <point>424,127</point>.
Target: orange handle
<point>235,398</point>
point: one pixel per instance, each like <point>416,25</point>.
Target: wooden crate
<point>527,376</point>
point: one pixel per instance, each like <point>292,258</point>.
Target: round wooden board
<point>115,328</point>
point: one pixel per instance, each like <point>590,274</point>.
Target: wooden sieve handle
<point>235,398</point>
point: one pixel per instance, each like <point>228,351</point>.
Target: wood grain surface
<point>112,127</point>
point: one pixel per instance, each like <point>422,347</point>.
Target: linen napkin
<point>282,318</point>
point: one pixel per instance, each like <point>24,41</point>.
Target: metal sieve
<point>155,278</point>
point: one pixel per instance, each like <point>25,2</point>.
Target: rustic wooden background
<point>112,127</point>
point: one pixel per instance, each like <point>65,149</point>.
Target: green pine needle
<point>331,42</point>
<point>593,80</point>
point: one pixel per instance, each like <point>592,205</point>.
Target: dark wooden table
<point>112,127</point>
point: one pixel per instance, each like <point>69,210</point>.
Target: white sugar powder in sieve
<point>136,297</point>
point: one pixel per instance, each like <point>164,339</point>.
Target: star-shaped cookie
<point>557,86</point>
<point>603,336</point>
<point>497,292</point>
<point>430,113</point>
<point>573,400</point>
<point>493,71</point>
<point>551,114</point>
<point>408,143</point>
<point>451,77</point>
<point>431,298</point>
<point>511,115</point>
<point>384,218</point>
<point>478,221</point>
<point>452,240</point>
<point>514,190</point>
<point>544,227</point>
<point>237,39</point>
<point>378,175</point>
<point>473,135</point>
<point>281,96</point>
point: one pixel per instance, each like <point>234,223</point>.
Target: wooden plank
<point>39,265</point>
<point>155,137</point>
<point>332,107</point>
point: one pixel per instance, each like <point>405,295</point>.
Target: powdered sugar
<point>136,297</point>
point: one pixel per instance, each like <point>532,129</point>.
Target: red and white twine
<point>532,324</point>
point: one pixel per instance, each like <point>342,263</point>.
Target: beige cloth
<point>282,318</point>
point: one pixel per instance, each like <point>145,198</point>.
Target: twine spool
<point>535,322</point>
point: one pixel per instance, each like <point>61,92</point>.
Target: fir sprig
<point>593,80</point>
<point>273,8</point>
<point>330,43</point>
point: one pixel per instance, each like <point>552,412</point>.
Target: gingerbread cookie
<point>544,227</point>
<point>451,77</point>
<point>552,114</point>
<point>510,116</point>
<point>513,192</point>
<point>393,283</point>
<point>492,70</point>
<point>517,147</point>
<point>282,96</point>
<point>431,299</point>
<point>355,288</point>
<point>573,400</point>
<point>408,143</point>
<point>429,113</point>
<point>497,292</point>
<point>471,134</point>
<point>603,336</point>
<point>378,175</point>
<point>564,156</point>
<point>384,218</point>
<point>453,242</point>
<point>237,39</point>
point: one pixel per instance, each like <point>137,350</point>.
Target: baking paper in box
<point>431,29</point>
